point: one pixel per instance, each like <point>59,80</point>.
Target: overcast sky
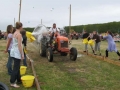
<point>83,12</point>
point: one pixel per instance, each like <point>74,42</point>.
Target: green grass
<point>86,73</point>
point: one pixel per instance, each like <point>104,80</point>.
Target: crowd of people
<point>3,35</point>
<point>15,47</point>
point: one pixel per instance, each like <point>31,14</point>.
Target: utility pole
<point>41,21</point>
<point>70,19</point>
<point>14,22</point>
<point>20,10</point>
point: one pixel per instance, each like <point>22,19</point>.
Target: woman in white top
<point>17,54</point>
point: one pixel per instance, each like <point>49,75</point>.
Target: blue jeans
<point>24,60</point>
<point>9,63</point>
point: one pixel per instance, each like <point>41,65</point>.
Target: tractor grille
<point>64,44</point>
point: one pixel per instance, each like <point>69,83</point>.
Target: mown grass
<point>86,73</point>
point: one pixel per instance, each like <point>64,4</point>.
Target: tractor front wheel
<point>73,54</point>
<point>49,54</point>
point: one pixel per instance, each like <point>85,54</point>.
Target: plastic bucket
<point>91,42</point>
<point>28,34</point>
<point>85,41</point>
<point>32,39</point>
<point>27,80</point>
<point>23,70</point>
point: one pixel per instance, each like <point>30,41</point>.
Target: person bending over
<point>111,44</point>
<point>87,36</point>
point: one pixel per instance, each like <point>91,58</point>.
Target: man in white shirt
<point>52,32</point>
<point>54,29</point>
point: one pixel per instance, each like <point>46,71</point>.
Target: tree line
<point>101,28</point>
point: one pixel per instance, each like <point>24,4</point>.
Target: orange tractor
<point>56,43</point>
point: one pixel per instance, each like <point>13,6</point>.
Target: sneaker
<point>14,85</point>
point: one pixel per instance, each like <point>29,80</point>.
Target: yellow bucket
<point>22,70</point>
<point>85,41</point>
<point>28,34</point>
<point>91,42</point>
<point>32,39</point>
<point>27,80</point>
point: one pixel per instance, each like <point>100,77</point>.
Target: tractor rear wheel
<point>63,54</point>
<point>3,86</point>
<point>73,53</point>
<point>42,47</point>
<point>49,54</point>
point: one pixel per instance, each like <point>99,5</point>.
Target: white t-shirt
<point>54,30</point>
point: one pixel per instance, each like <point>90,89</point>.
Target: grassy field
<point>86,73</point>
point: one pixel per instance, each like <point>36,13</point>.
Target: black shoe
<point>93,51</point>
<point>95,54</point>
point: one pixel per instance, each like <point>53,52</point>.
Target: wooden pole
<point>70,19</point>
<point>41,21</point>
<point>20,10</point>
<point>14,22</point>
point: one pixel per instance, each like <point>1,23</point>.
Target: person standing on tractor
<point>53,30</point>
